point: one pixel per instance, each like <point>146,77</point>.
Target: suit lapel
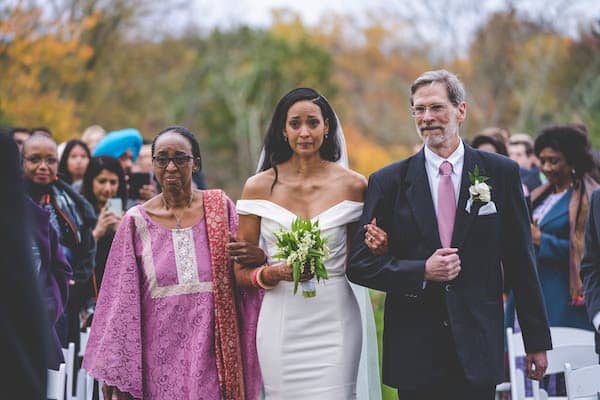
<point>464,219</point>
<point>420,201</point>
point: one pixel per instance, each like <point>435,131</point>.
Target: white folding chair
<point>89,386</point>
<point>81,385</point>
<point>571,336</point>
<point>569,345</point>
<point>83,339</point>
<point>583,383</point>
<point>578,355</point>
<point>514,341</point>
<point>69,355</point>
<point>55,385</point>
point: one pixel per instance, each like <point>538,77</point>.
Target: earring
<point>326,135</point>
<point>285,139</point>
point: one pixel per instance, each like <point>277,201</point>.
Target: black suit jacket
<point>400,198</point>
<point>590,264</point>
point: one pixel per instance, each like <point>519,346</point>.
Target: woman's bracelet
<point>254,276</point>
<point>259,279</point>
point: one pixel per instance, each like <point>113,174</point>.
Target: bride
<point>321,347</point>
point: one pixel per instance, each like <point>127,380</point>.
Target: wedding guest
<point>169,322</point>
<point>520,149</point>
<point>590,265</point>
<point>489,143</point>
<point>53,273</point>
<point>104,180</point>
<point>92,135</point>
<point>73,162</point>
<point>308,348</point>
<point>71,216</point>
<point>144,159</point>
<point>23,344</point>
<point>19,135</point>
<point>560,207</point>
<point>41,130</point>
<point>499,133</point>
<point>125,145</point>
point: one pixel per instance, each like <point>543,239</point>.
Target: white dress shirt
<point>432,167</point>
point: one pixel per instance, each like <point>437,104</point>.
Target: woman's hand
<point>273,274</point>
<point>536,233</point>
<point>106,220</point>
<point>112,393</point>
<point>245,253</point>
<point>376,239</point>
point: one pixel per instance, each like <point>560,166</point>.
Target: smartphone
<point>136,181</point>
<point>115,206</point>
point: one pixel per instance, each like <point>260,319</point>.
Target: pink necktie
<point>446,209</point>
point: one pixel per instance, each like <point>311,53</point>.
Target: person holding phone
<point>125,145</point>
<point>104,187</point>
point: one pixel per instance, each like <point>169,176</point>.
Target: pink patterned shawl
<point>117,352</point>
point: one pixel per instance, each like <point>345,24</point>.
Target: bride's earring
<point>326,135</point>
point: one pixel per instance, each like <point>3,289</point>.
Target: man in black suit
<point>590,265</point>
<point>448,240</point>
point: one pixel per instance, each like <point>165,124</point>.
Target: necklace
<point>178,217</point>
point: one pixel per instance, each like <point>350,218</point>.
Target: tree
<point>40,60</point>
<point>231,95</point>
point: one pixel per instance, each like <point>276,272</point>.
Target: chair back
<point>569,345</point>
<point>83,339</point>
<point>577,355</point>
<point>571,336</point>
<point>69,355</point>
<point>55,386</point>
<point>514,341</point>
<point>582,383</point>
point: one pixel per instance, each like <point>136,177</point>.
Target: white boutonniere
<point>479,190</point>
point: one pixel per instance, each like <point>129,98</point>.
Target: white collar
<point>433,161</point>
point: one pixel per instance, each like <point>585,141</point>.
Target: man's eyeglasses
<point>179,161</point>
<point>435,110</point>
<point>38,160</point>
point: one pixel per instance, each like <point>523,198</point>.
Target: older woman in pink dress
<point>169,323</point>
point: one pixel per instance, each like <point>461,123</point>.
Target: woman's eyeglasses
<point>179,161</point>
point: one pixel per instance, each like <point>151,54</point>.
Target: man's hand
<point>536,364</point>
<point>443,265</point>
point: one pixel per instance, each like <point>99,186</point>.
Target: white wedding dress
<point>322,347</point>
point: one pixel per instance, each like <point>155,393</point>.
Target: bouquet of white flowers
<point>304,250</point>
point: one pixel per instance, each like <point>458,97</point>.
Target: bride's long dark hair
<point>277,150</point>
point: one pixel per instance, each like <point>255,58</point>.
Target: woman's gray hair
<point>454,87</point>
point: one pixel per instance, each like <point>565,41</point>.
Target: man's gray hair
<point>454,87</point>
